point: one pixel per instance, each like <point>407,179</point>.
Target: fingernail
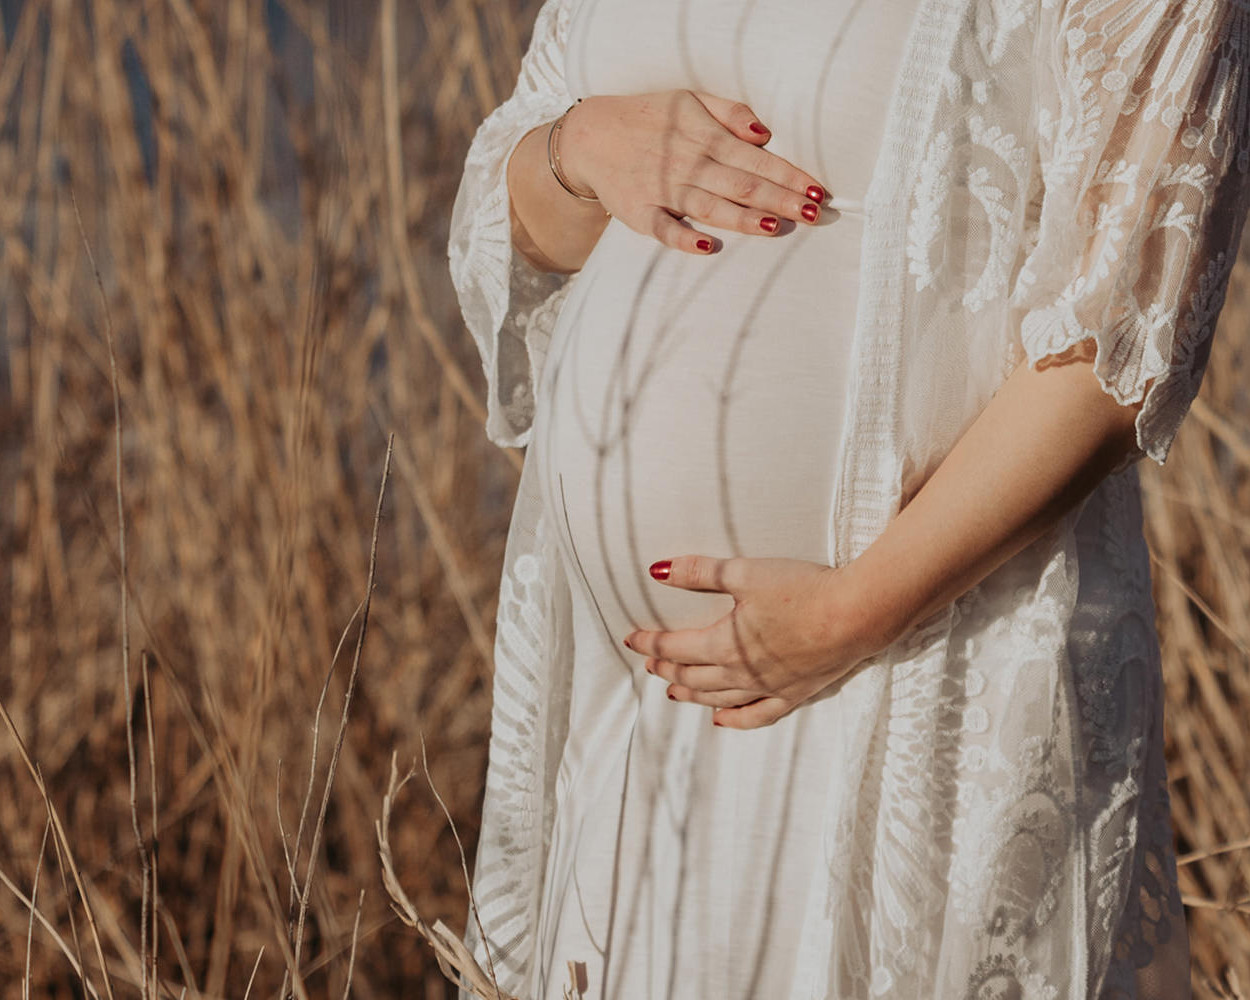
<point>660,570</point>
<point>627,645</point>
<point>768,224</point>
<point>704,245</point>
<point>715,723</point>
<point>810,212</point>
<point>816,193</point>
<point>671,697</point>
<point>757,128</point>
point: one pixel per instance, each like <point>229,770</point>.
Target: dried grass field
<point>264,190</point>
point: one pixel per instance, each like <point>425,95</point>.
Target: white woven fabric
<point>1057,176</point>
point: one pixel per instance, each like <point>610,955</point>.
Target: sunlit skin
<point>1041,445</point>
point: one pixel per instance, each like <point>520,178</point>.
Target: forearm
<point>552,229</point>
<point>1041,445</point>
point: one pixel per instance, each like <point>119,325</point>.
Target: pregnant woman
<point>826,663</point>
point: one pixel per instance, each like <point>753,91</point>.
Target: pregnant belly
<point>694,405</point>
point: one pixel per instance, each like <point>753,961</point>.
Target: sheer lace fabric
<point>1058,176</point>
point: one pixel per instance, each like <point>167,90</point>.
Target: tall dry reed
<point>266,189</point>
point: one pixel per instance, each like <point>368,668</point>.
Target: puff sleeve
<point>509,307</point>
<point>1143,122</point>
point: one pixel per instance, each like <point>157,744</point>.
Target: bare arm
<point>551,228</point>
<point>1040,446</point>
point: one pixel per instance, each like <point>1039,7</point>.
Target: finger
<point>714,210</point>
<point>737,117</point>
<point>691,646</point>
<point>713,699</point>
<point>757,714</point>
<point>724,149</point>
<point>702,573</point>
<point>668,230</point>
<point>699,676</point>
<point>734,199</point>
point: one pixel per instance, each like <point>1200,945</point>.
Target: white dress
<point>982,811</point>
<point>694,405</point>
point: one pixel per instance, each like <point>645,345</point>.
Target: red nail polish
<point>704,245</point>
<point>758,129</point>
<point>816,193</point>
<point>715,723</point>
<point>810,212</point>
<point>661,570</point>
<point>627,645</point>
<point>768,224</point>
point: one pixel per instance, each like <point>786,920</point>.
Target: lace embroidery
<point>1058,174</point>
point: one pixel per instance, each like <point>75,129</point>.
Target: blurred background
<point>265,187</point>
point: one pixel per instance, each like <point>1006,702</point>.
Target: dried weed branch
<point>454,959</point>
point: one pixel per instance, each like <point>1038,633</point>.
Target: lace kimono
<point>1058,178</point>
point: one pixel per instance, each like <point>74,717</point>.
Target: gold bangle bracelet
<point>553,156</point>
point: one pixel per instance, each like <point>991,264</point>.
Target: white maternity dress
<point>695,405</point>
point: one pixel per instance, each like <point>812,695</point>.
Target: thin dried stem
<point>1214,852</point>
<point>347,704</point>
<point>75,961</point>
<point>34,904</point>
<point>61,842</point>
<point>454,959</point>
<point>464,864</point>
<point>150,726</point>
<point>252,978</point>
<point>293,860</point>
<point>351,959</point>
<point>127,693</point>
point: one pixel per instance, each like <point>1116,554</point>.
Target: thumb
<point>737,117</point>
<point>702,573</point>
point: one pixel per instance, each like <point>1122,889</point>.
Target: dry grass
<point>266,188</point>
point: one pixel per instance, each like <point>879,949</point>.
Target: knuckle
<point>698,573</point>
<point>700,203</point>
<point>741,111</point>
<point>746,186</point>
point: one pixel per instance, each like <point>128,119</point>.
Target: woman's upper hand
<point>653,158</point>
<point>796,628</point>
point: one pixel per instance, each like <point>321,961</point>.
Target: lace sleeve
<point>509,306</point>
<point>1143,122</point>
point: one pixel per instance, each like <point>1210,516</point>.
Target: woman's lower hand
<point>796,628</point>
<point>654,158</point>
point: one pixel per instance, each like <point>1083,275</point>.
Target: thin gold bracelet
<point>553,156</point>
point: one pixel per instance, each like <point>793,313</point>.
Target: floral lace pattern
<point>1059,177</point>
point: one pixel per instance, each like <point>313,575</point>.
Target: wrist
<point>574,140</point>
<point>874,607</point>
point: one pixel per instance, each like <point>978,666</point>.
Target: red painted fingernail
<point>672,697</point>
<point>816,193</point>
<point>768,224</point>
<point>660,570</point>
<point>757,128</point>
<point>715,723</point>
<point>810,212</point>
<point>627,645</point>
<point>704,245</point>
